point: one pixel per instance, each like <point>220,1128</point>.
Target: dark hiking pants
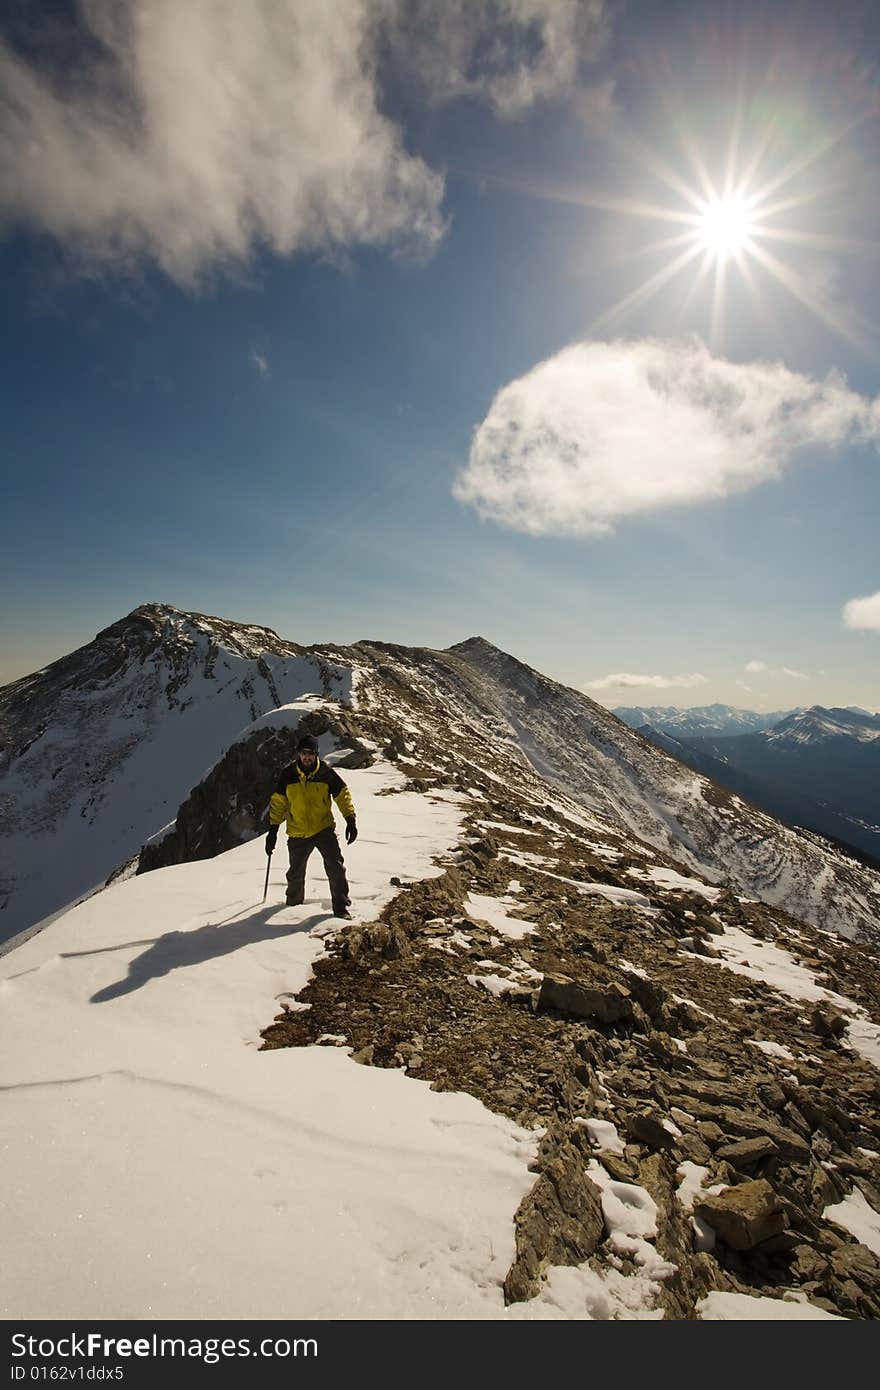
<point>327,845</point>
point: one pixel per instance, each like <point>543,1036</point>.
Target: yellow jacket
<point>303,800</point>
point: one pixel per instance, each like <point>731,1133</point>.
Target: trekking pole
<point>266,884</point>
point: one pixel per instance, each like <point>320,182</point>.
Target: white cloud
<point>625,679</point>
<point>510,53</point>
<point>863,613</point>
<point>208,129</point>
<point>775,672</point>
<point>743,686</point>
<point>603,431</point>
<point>196,133</point>
<point>260,361</point>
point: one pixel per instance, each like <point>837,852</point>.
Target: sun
<point>725,218</point>
<point>716,235</point>
<point>724,226</point>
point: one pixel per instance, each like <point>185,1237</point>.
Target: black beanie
<point>308,743</point>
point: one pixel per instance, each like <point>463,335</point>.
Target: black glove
<point>351,830</point>
<point>271,838</point>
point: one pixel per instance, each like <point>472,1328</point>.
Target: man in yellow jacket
<point>302,799</point>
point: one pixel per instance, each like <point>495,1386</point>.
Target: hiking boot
<point>343,913</point>
<point>293,902</point>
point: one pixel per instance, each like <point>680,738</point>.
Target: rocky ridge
<point>539,733</point>
<point>100,748</point>
<point>669,1036</point>
<point>609,1006</point>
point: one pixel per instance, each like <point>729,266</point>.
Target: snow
<point>772,1049</point>
<point>526,859</point>
<point>582,1293</point>
<point>492,911</point>
<point>156,1164</point>
<point>96,787</point>
<point>856,1215</point>
<point>680,999</point>
<point>603,1135</point>
<point>693,1181</point>
<point>668,878</point>
<point>509,829</point>
<point>621,897</point>
<point>630,1213</point>
<point>774,966</point>
<point>742,1307</point>
<point>494,984</point>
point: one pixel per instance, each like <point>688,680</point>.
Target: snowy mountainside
<point>817,725</point>
<point>98,749</point>
<point>610,1087</point>
<point>101,748</point>
<point>605,1090</point>
<point>700,720</point>
<point>632,788</point>
<point>819,768</point>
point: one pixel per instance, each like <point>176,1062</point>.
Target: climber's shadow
<point>176,950</point>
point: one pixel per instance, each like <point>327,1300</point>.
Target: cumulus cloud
<point>863,613</point>
<point>189,135</point>
<point>624,679</point>
<point>756,666</point>
<point>603,431</point>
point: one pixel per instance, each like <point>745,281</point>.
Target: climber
<point>302,798</point>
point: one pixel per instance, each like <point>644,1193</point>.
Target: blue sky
<point>363,321</point>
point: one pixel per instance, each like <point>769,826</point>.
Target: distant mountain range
<point>701,721</point>
<point>818,768</point>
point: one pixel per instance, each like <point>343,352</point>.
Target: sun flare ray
<point>647,289</point>
<point>728,215</point>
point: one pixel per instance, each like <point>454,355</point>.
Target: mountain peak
<point>160,623</point>
<point>474,644</point>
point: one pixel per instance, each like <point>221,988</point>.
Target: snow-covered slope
<point>818,725</point>
<point>631,785</point>
<point>98,750</point>
<point>555,1111</point>
<point>819,768</point>
<point>157,1165</point>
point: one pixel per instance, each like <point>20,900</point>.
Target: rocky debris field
<point>606,1010</point>
<point>673,1044</point>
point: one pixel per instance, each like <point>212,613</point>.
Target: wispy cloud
<point>604,431</point>
<point>625,680</point>
<point>510,53</point>
<point>259,361</point>
<point>775,672</point>
<point>863,613</point>
<point>189,135</point>
<point>743,686</point>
